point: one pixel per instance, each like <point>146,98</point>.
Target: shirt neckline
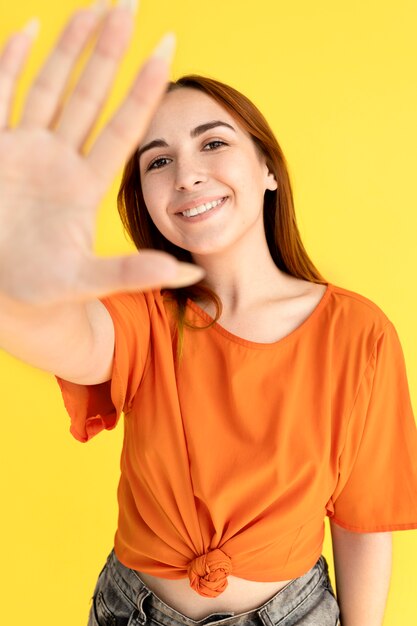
<point>255,344</point>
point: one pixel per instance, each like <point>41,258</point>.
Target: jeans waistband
<point>271,612</point>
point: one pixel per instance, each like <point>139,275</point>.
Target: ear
<point>270,180</point>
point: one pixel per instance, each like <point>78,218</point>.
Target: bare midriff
<point>240,595</point>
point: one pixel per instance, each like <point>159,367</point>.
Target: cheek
<point>153,196</point>
<point>231,173</point>
<point>241,172</point>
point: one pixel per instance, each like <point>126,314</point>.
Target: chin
<point>208,250</point>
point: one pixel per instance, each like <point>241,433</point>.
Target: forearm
<point>363,564</point>
<point>57,339</point>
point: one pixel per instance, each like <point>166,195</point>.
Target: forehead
<point>182,110</point>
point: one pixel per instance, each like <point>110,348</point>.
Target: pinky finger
<point>12,60</point>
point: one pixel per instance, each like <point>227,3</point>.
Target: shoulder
<point>339,302</point>
<point>132,306</point>
<point>355,312</point>
<point>359,307</point>
<point>358,332</point>
<point>358,301</point>
<point>134,299</point>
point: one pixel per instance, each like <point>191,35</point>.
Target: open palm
<point>50,190</point>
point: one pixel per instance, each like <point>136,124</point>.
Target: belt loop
<point>264,617</point>
<point>143,593</point>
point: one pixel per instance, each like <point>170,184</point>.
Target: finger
<point>44,96</point>
<point>86,101</point>
<point>149,269</point>
<point>122,134</point>
<point>12,61</point>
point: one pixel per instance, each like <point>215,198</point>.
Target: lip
<point>206,215</point>
<point>194,203</point>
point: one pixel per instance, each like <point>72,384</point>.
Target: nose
<point>188,174</point>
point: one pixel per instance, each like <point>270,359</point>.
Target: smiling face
<point>203,180</point>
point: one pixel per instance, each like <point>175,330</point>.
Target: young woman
<point>258,397</point>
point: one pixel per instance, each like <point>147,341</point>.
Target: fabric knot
<point>208,573</point>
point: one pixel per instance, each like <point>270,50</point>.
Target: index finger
<point>122,134</point>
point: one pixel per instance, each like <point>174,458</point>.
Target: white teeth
<point>202,208</point>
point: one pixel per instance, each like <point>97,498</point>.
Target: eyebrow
<point>195,132</point>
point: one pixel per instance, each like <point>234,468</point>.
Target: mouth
<point>201,211</point>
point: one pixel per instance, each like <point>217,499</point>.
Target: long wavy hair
<point>281,230</point>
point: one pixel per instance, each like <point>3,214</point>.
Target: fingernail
<point>165,48</point>
<point>187,274</point>
<point>132,5</point>
<point>32,28</point>
<point>100,6</point>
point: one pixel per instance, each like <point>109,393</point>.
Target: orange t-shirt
<point>232,459</point>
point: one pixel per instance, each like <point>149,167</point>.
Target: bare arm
<point>50,278</point>
<point>363,564</point>
<point>73,340</point>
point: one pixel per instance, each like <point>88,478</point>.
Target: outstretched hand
<point>50,189</point>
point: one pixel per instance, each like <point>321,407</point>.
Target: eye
<point>157,164</point>
<point>216,143</point>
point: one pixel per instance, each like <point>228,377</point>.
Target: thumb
<point>150,269</point>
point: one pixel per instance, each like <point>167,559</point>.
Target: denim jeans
<point>121,598</point>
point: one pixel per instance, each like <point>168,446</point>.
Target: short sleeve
<point>93,408</point>
<point>377,486</point>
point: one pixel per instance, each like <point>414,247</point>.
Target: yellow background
<point>337,83</point>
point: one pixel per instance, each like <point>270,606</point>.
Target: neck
<point>243,275</point>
